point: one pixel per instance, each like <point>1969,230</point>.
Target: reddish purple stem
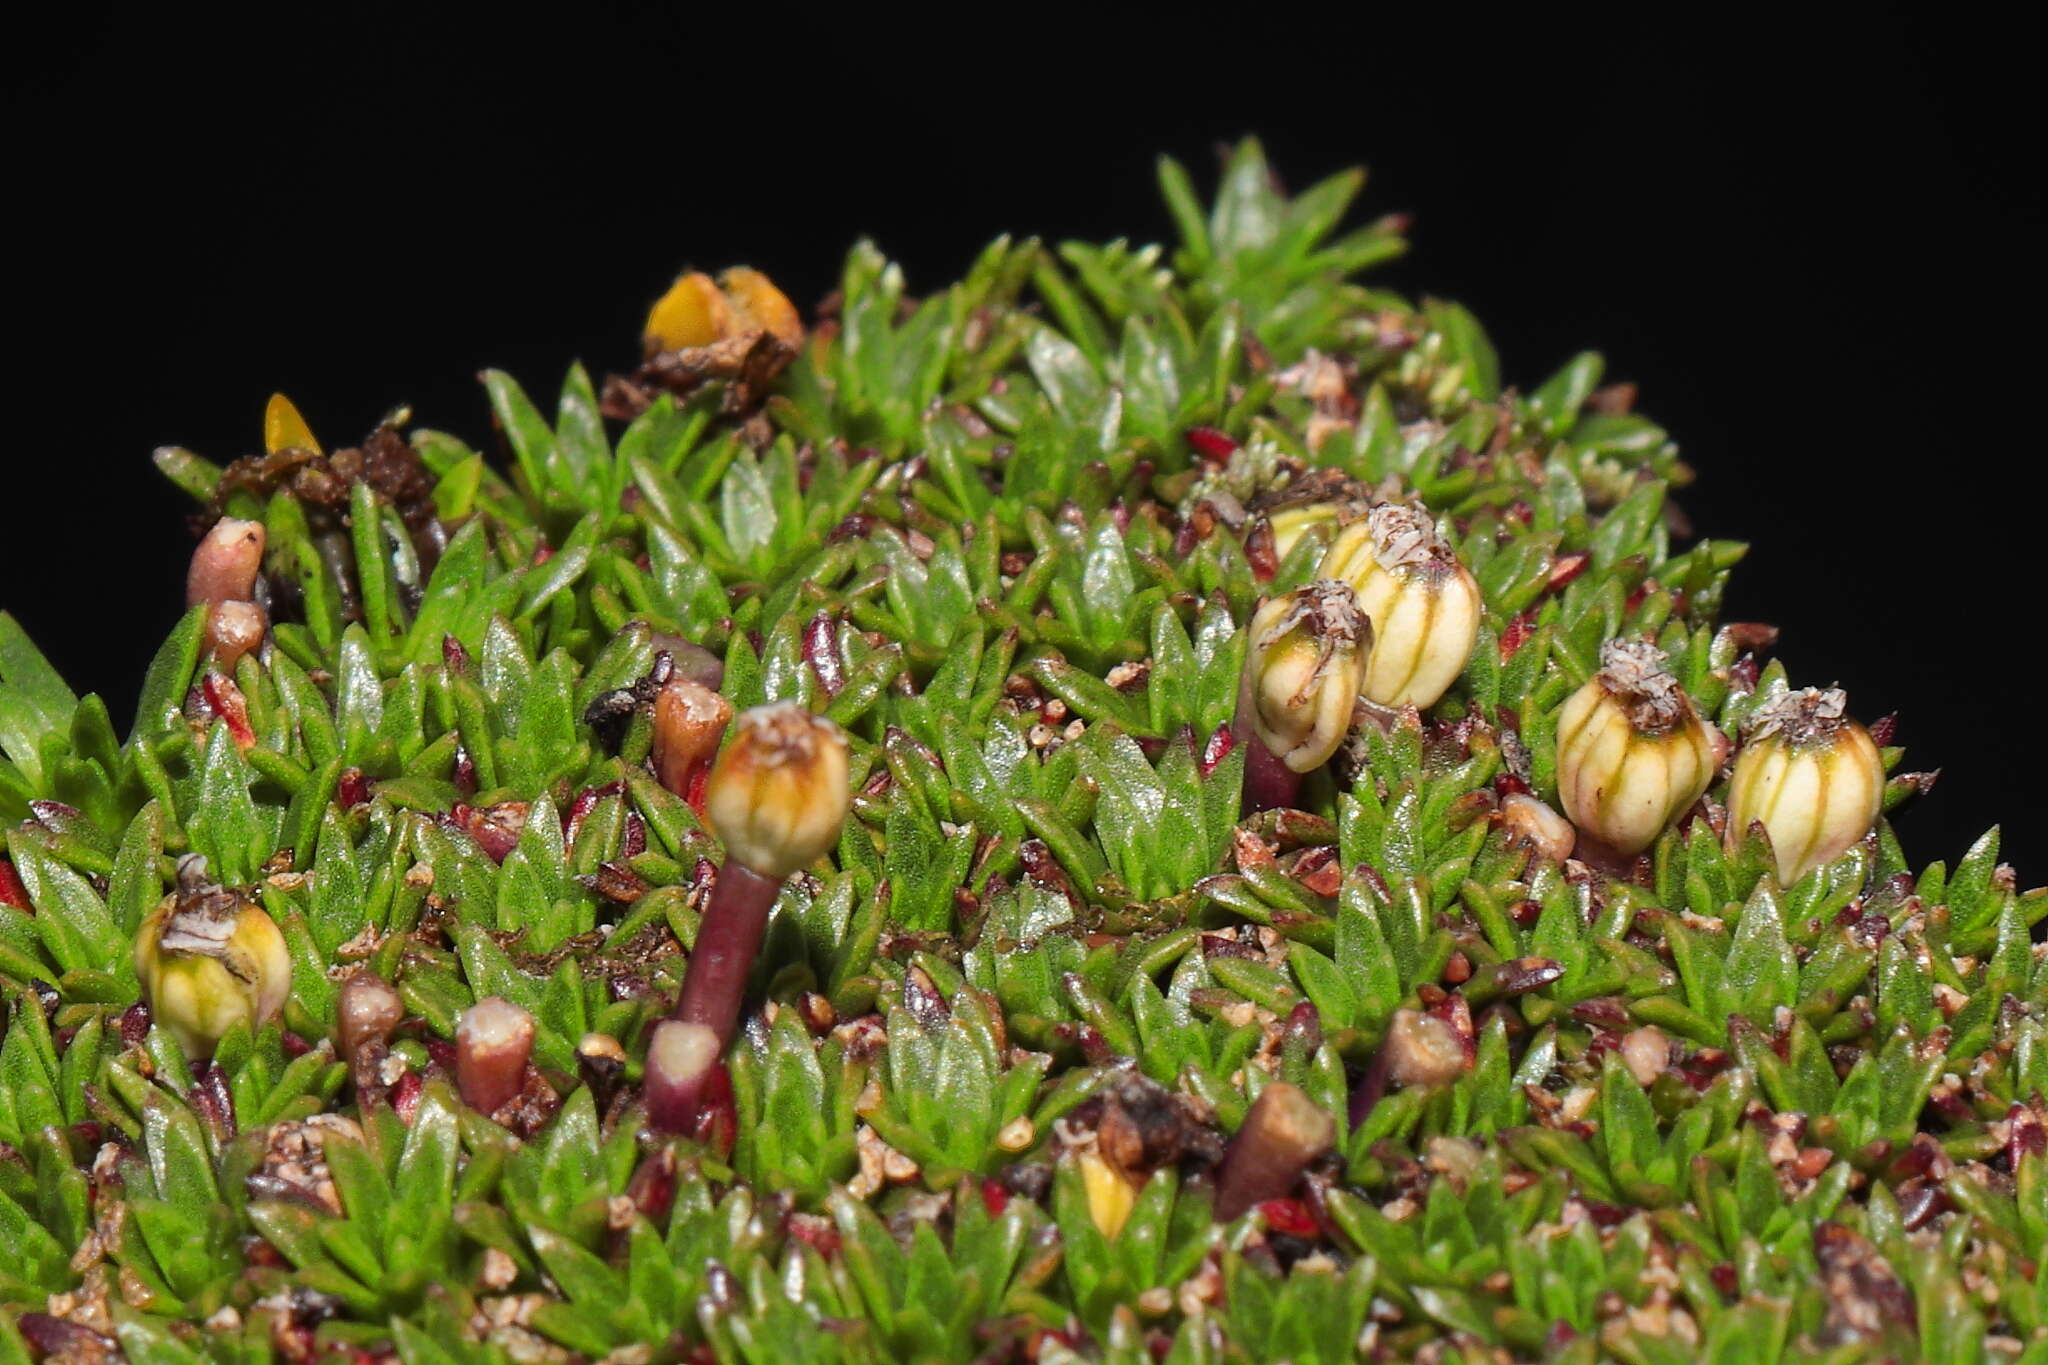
<point>715,982</point>
<point>1284,1131</point>
<point>1269,784</point>
<point>687,1090</point>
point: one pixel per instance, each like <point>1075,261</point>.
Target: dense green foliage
<point>951,527</point>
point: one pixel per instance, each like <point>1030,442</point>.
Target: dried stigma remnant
<point>1632,752</point>
<point>1811,776</point>
<point>1423,603</point>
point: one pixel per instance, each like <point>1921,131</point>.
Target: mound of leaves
<point>998,1044</point>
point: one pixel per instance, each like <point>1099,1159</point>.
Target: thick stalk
<point>715,982</point>
<point>687,1089</point>
<point>1282,1134</point>
<point>493,1043</point>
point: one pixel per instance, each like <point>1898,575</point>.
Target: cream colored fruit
<point>1632,752</point>
<point>1423,603</point>
<point>1812,777</point>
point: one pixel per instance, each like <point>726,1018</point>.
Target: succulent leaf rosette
<point>1143,805</point>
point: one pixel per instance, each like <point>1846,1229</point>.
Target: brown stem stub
<point>689,722</point>
<point>1284,1131</point>
<point>368,1010</point>
<point>493,1043</point>
<point>225,563</point>
<point>683,1082</point>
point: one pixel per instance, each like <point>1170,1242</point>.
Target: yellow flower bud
<point>1810,775</point>
<point>758,306</point>
<point>1424,605</point>
<point>695,312</point>
<point>1307,659</point>
<point>210,958</point>
<point>778,793</point>
<point>1632,752</point>
<point>691,313</point>
<point>285,429</point>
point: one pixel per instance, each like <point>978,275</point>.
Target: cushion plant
<point>1244,840</point>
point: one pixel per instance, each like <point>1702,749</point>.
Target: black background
<point>1814,248</point>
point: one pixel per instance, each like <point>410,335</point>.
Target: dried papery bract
<point>1422,1050</point>
<point>1811,776</point>
<point>1529,821</point>
<point>1423,603</point>
<point>1282,1133</point>
<point>210,958</point>
<point>493,1043</point>
<point>689,722</point>
<point>1632,752</point>
<point>1306,660</point>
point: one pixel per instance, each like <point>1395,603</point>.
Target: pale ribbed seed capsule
<point>1292,521</point>
<point>210,958</point>
<point>1632,752</point>
<point>1424,605</point>
<point>1811,776</point>
<point>1306,663</point>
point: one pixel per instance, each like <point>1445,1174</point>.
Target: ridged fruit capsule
<point>1811,776</point>
<point>1632,752</point>
<point>1423,603</point>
